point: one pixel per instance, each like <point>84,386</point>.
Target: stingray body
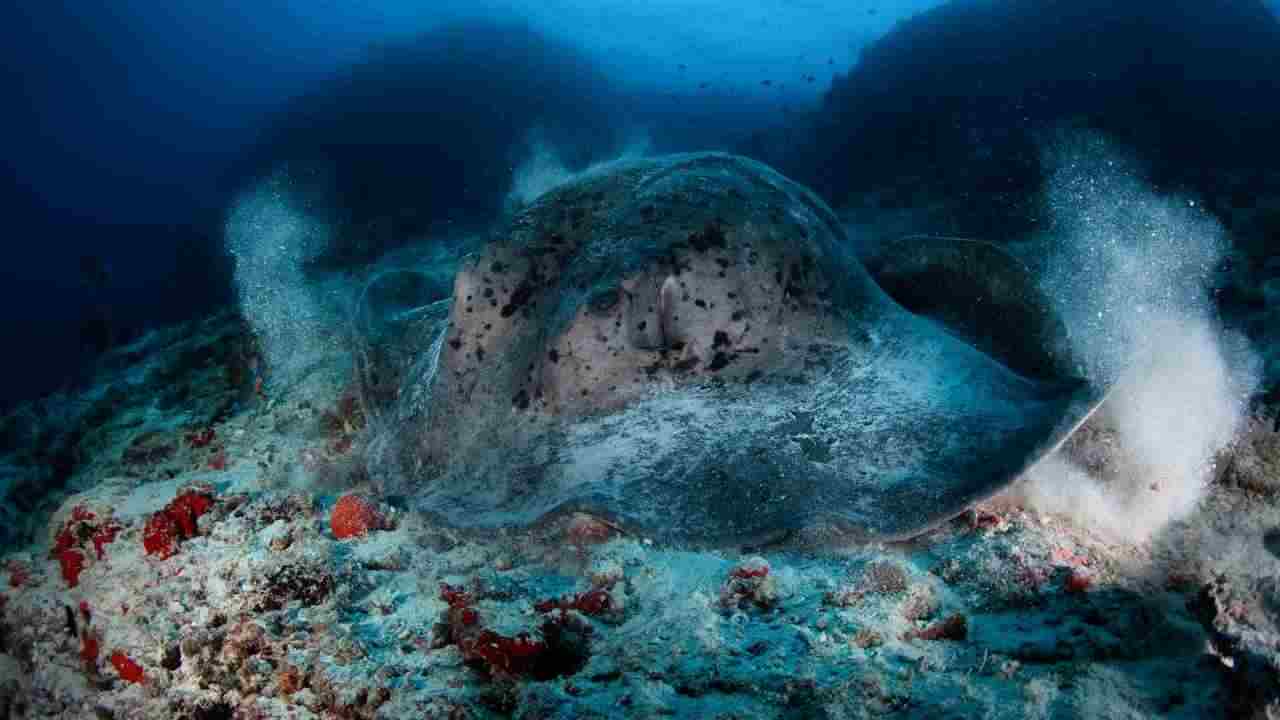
<point>688,346</point>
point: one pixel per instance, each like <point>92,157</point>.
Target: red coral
<point>955,627</point>
<point>89,648</point>
<point>455,596</point>
<point>129,670</point>
<point>69,546</point>
<point>498,655</point>
<point>521,655</point>
<point>104,536</point>
<point>177,521</point>
<point>1078,581</point>
<point>201,438</point>
<point>747,572</point>
<point>501,655</point>
<point>160,536</point>
<point>749,584</point>
<point>72,564</point>
<point>593,602</point>
<point>354,516</point>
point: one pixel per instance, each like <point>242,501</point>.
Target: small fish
<point>766,83</point>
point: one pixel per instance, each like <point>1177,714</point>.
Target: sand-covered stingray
<point>689,346</point>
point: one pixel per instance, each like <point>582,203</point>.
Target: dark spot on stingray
<point>737,315</point>
<point>488,292</point>
<point>455,343</point>
<point>468,298</point>
<point>700,303</point>
<point>553,355</point>
<point>517,300</point>
<point>678,345</point>
<point>488,326</point>
<point>584,392</point>
<point>493,302</point>
<point>722,262</point>
<point>720,361</point>
<point>710,236</point>
<point>777,277</point>
<point>480,354</point>
<point>721,340</point>
<point>521,400</point>
<point>497,268</point>
<point>685,298</point>
<point>653,369</point>
<point>687,364</point>
<point>642,325</point>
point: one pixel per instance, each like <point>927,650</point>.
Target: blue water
<point>133,125</point>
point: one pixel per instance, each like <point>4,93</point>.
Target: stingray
<point>689,347</point>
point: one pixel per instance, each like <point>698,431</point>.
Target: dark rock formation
<point>956,104</point>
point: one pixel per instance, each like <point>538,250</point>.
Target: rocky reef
<point>223,557</point>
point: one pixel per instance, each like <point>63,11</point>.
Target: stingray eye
<point>603,302</point>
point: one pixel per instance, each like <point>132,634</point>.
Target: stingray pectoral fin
<point>979,292</point>
<point>951,427</point>
<point>963,474</point>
